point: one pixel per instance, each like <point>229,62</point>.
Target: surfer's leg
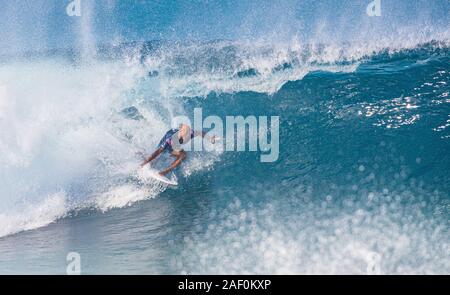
<point>153,156</point>
<point>180,156</point>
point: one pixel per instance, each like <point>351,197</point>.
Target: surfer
<point>171,142</point>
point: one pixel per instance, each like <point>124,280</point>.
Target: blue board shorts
<point>166,142</point>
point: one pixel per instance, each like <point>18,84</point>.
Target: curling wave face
<point>364,148</point>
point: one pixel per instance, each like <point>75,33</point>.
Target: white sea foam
<point>32,216</point>
<point>125,195</point>
<point>226,66</point>
<point>61,131</point>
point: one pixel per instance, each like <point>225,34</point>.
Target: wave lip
<point>228,67</point>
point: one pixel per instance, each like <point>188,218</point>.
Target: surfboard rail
<point>147,172</point>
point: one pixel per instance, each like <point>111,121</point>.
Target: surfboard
<point>146,173</point>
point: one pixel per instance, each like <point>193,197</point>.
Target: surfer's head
<point>184,133</point>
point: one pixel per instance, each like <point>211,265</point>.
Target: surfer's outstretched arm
<point>180,157</point>
<point>153,156</point>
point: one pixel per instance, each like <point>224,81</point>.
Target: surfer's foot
<point>162,173</point>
